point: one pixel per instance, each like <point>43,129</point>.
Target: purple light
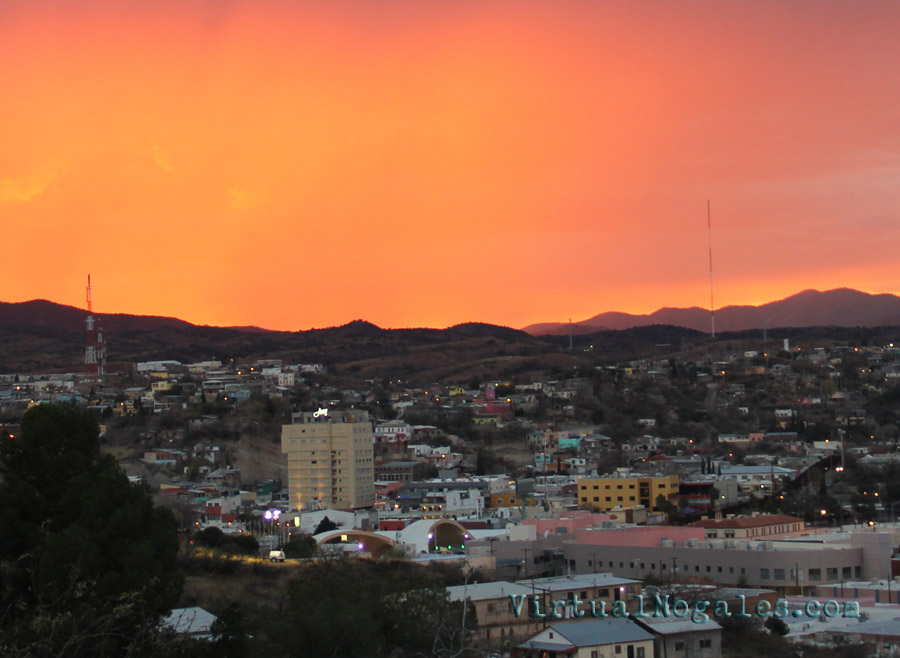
<point>267,515</point>
<point>430,536</point>
<point>360,546</point>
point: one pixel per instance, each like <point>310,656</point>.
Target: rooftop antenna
<point>712,313</point>
<point>570,334</point>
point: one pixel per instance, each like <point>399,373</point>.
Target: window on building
<point>764,574</point>
<point>815,574</point>
<point>847,573</point>
<point>779,574</point>
<point>705,644</point>
<point>679,646</point>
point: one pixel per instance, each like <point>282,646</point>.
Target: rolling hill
<point>841,307</point>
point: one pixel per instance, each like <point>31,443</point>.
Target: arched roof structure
<point>370,542</point>
<point>431,536</point>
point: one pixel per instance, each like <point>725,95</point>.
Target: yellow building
<point>330,457</point>
<point>510,499</point>
<point>626,490</point>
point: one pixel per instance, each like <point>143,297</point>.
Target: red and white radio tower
<point>95,350</point>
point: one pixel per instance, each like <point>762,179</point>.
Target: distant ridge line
<point>840,307</point>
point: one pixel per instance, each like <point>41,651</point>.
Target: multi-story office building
<point>626,490</point>
<point>329,457</point>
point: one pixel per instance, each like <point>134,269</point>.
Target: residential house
<point>598,638</point>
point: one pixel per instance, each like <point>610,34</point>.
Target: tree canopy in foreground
<point>87,561</point>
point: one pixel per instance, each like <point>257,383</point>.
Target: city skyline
<point>425,165</point>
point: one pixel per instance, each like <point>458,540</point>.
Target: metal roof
<point>487,591</point>
<point>595,632</point>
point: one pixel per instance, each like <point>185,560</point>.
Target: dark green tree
<point>300,547</point>
<point>211,537</point>
<point>325,525</point>
<point>776,626</point>
<point>667,507</point>
<point>218,541</point>
<point>87,562</point>
<point>229,634</point>
<point>351,608</point>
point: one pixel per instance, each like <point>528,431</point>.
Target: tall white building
<point>330,459</point>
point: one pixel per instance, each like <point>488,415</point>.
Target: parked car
<point>276,556</point>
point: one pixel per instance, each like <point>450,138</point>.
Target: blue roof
<point>598,631</point>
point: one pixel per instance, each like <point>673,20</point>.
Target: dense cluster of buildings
<point>555,528</point>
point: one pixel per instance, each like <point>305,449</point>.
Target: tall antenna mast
<point>712,312</point>
<point>95,348</point>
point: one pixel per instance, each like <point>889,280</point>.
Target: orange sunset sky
<point>303,164</point>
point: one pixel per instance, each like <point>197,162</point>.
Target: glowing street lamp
<point>271,515</point>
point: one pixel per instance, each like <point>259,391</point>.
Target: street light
<point>272,515</point>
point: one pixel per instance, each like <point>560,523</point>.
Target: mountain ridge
<point>839,307</point>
